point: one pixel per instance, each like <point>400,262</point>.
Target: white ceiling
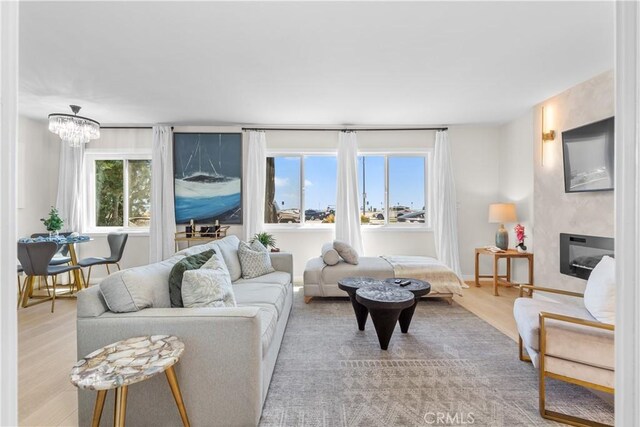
<point>307,63</point>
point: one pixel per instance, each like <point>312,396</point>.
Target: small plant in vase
<point>520,236</point>
<point>53,222</point>
<point>267,240</point>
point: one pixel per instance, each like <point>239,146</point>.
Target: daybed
<point>230,352</point>
<point>321,280</point>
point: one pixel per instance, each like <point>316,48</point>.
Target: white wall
<point>516,182</point>
<point>38,156</point>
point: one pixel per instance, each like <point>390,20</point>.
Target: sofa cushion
<point>526,311</point>
<point>329,255</point>
<point>140,287</point>
<point>192,262</point>
<point>209,286</point>
<point>278,277</point>
<point>229,249</point>
<point>600,293</point>
<point>254,259</point>
<point>346,251</point>
<point>261,295</point>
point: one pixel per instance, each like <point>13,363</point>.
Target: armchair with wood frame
<point>565,342</point>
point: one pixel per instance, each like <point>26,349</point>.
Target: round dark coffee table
<point>350,285</point>
<point>385,303</point>
<point>418,288</point>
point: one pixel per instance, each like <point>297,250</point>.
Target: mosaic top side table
<point>118,365</point>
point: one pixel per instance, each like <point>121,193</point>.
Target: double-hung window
<point>301,189</point>
<point>118,191</point>
<point>393,189</point>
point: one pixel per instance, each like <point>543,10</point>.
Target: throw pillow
<point>254,260</point>
<point>329,255</point>
<point>210,286</point>
<point>346,251</point>
<point>140,287</point>
<point>600,294</point>
<point>229,249</point>
<point>192,262</point>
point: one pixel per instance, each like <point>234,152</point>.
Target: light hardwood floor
<point>497,311</point>
<point>47,351</point>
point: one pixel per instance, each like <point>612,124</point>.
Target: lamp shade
<point>500,213</point>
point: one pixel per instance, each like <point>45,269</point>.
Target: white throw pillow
<point>346,251</point>
<point>254,259</point>
<point>329,255</point>
<point>600,294</point>
<point>209,286</point>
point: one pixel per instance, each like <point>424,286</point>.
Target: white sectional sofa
<point>229,356</point>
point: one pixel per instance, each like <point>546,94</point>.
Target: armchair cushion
<point>526,311</point>
<point>600,293</point>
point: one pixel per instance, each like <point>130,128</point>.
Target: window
<point>320,189</point>
<point>301,189</point>
<point>283,190</point>
<point>407,189</point>
<point>119,192</point>
<point>402,179</point>
<point>290,177</point>
<point>371,184</point>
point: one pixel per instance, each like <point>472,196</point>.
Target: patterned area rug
<point>452,368</point>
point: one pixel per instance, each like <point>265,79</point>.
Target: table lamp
<point>499,213</point>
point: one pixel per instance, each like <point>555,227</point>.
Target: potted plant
<point>267,240</point>
<point>53,222</point>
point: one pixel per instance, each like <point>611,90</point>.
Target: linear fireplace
<point>579,254</point>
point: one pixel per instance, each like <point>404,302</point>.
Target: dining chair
<point>63,250</point>
<point>20,271</point>
<point>35,261</point>
<point>117,242</point>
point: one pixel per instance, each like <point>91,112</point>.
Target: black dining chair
<point>117,242</point>
<point>34,259</point>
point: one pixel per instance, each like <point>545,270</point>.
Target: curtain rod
<point>126,127</point>
<point>344,129</point>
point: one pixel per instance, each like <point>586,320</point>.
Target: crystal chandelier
<point>74,129</point>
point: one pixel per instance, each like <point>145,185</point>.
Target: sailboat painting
<point>208,177</point>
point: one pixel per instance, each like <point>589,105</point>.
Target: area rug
<point>452,368</point>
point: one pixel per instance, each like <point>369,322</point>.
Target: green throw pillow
<point>192,262</point>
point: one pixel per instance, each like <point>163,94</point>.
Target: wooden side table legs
<point>175,389</point>
<point>120,406</point>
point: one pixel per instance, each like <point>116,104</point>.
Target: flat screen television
<point>588,157</point>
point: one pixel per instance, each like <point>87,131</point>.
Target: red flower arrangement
<point>520,236</point>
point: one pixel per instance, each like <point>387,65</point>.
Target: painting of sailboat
<point>208,177</point>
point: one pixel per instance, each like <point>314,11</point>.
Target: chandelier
<point>74,129</point>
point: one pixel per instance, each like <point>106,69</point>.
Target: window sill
<point>292,228</point>
<point>131,232</point>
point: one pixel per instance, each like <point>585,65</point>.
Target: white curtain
<point>443,204</point>
<point>255,178</point>
<point>163,221</point>
<point>71,194</point>
<point>347,208</point>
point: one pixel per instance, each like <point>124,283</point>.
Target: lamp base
<point>502,238</point>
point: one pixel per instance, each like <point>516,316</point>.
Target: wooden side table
<point>127,362</point>
<point>505,279</point>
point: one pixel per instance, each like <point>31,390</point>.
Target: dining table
<point>71,241</point>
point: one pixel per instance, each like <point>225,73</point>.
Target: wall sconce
<point>549,136</point>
